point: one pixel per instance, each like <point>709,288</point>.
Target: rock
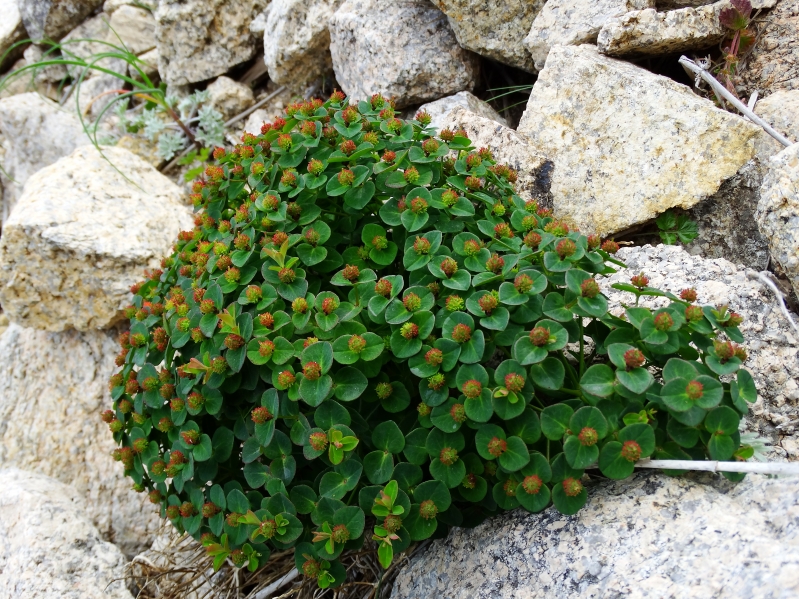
<point>778,211</point>
<point>81,234</point>
<point>440,109</point>
<point>772,344</point>
<point>110,6</point>
<point>96,91</point>
<point>52,390</point>
<point>11,31</point>
<point>297,40</point>
<point>648,537</point>
<point>508,147</point>
<point>53,19</point>
<point>574,22</point>
<point>664,5</point>
<point>134,27</point>
<point>404,51</point>
<point>627,144</point>
<point>651,32</point>
<point>726,221</point>
<point>79,40</point>
<point>49,548</point>
<point>494,28</point>
<point>200,39</point>
<point>4,322</point>
<point>773,64</point>
<point>781,111</point>
<point>44,80</point>
<point>34,133</point>
<point>230,97</point>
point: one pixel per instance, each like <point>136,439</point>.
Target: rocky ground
<point>584,98</point>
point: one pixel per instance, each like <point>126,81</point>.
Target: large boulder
<point>34,132</point>
<point>647,537</point>
<point>772,63</point>
<point>627,144</point>
<point>494,28</point>
<point>81,234</point>
<point>53,387</point>
<point>646,32</point>
<point>11,31</point>
<point>48,548</point>
<point>573,22</point>
<point>781,111</point>
<point>508,147</point>
<point>134,27</point>
<point>726,225</point>
<point>771,342</point>
<point>778,211</point>
<point>53,19</point>
<point>297,40</point>
<point>200,39</point>
<point>405,51</point>
<point>439,110</point>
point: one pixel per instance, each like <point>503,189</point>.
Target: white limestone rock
<point>778,211</point>
<point>53,387</point>
<point>81,234</point>
<point>200,39</point>
<point>134,27</point>
<point>494,28</point>
<point>627,144</point>
<point>439,110</point>
<point>574,22</point>
<point>34,132</point>
<point>48,548</point>
<point>229,97</point>
<point>297,40</point>
<point>404,51</point>
<point>11,30</point>
<point>647,32</point>
<point>781,111</point>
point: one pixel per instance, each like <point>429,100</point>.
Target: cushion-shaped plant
<point>370,333</point>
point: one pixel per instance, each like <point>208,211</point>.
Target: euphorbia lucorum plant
<point>368,332</point>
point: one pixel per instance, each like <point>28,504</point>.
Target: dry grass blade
<point>177,567</point>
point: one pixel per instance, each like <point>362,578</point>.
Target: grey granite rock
<point>48,548</point>
<point>627,144</point>
<point>81,234</point>
<point>297,40</point>
<point>53,387</point>
<point>229,97</point>
<point>772,344</point>
<point>494,28</point>
<point>405,51</point>
<point>53,19</point>
<point>34,133</point>
<point>726,221</point>
<point>573,22</point>
<point>200,39</point>
<point>778,211</point>
<point>646,32</point>
<point>772,63</point>
<point>508,147</point>
<point>87,39</point>
<point>647,537</point>
<point>439,110</point>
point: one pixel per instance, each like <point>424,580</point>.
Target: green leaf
<point>565,504</point>
<point>350,383</point>
<point>516,456</point>
<point>548,374</point>
<point>388,437</point>
<point>637,380</point>
<point>598,380</point>
<point>332,485</point>
<point>378,466</point>
<point>555,420</point>
<point>578,455</point>
<point>722,421</point>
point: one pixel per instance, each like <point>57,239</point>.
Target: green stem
<point>582,349</point>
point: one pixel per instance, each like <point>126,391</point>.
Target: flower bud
<point>634,358</point>
<point>572,487</point>
<point>261,415</point>
<point>461,333</point>
<point>472,389</point>
<point>495,264</point>
<point>384,390</point>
